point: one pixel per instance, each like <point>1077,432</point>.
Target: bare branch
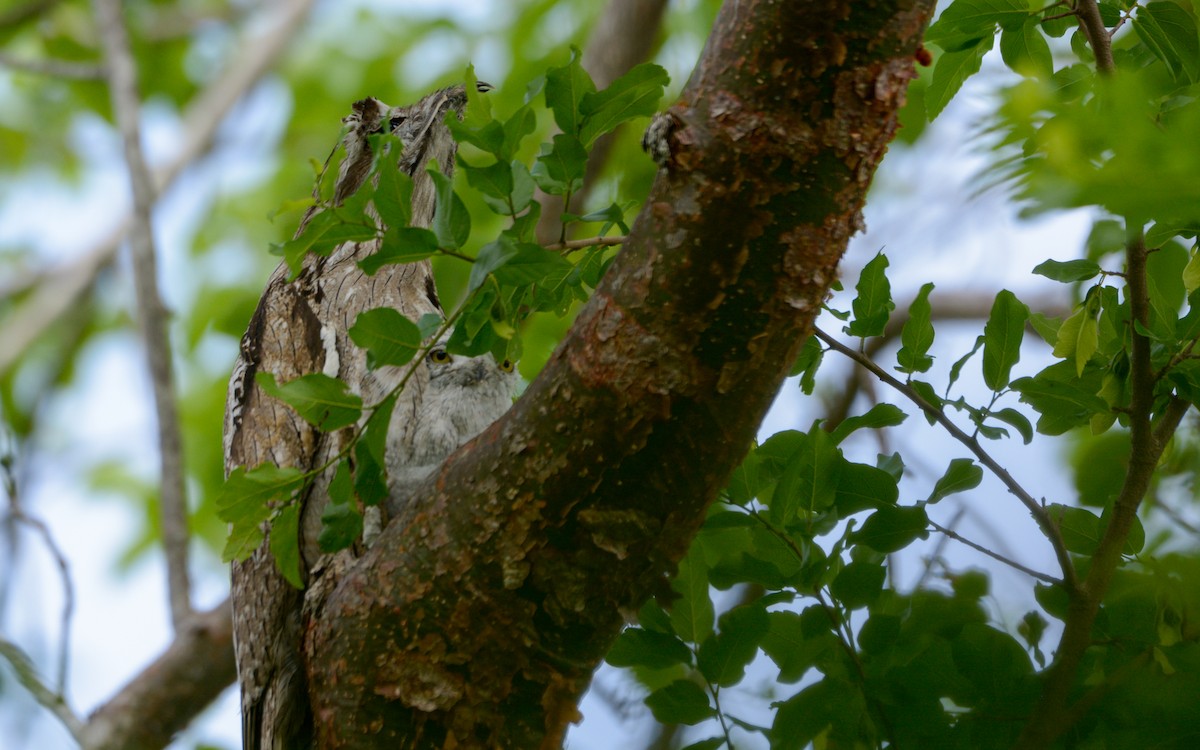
<point>17,515</point>
<point>1040,515</point>
<point>1051,716</point>
<point>28,677</point>
<point>166,695</point>
<point>570,245</point>
<point>61,292</point>
<point>1093,26</point>
<point>995,556</point>
<point>122,84</point>
<point>54,68</point>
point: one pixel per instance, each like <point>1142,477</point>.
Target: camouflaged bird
<point>300,327</point>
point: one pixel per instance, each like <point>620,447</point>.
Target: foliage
<point>512,278</point>
<point>804,534</point>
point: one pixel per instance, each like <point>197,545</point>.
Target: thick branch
<point>1049,719</point>
<point>169,693</point>
<point>579,502</point>
<point>1093,26</point>
<point>122,84</point>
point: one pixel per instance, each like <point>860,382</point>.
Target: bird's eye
<point>396,121</point>
<point>439,357</point>
<point>506,365</point>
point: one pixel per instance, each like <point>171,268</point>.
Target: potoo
<point>300,327</point>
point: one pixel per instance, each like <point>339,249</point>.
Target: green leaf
<point>978,17</point>
<point>952,69</point>
<point>794,644</point>
<point>874,302</point>
<point>1002,337</point>
<point>991,660</point>
<point>1015,419</point>
<point>858,584</point>
<point>393,197</point>
<point>1068,271</point>
<point>917,335</point>
<point>1191,274</point>
<point>1062,404</point>
<point>1169,32</point>
<point>1046,327</point>
<point>494,180</point>
<point>692,612</point>
<point>956,368</point>
<point>492,256</point>
<point>635,94</point>
<point>809,479</point>
<point>1080,528</point>
<point>963,474</point>
<point>324,402</point>
<point>636,647</point>
<point>1024,50</point>
<point>284,543</point>
<point>807,363</point>
<point>246,501</point>
<point>560,167</point>
<point>341,526</point>
<point>323,234</point>
<point>565,89</point>
<point>879,416</point>
<point>681,702</point>
<point>479,107</point>
<point>488,137</point>
<point>451,222</point>
<point>1078,338</point>
<point>893,528</point>
<point>520,124</point>
<point>531,264</point>
<point>723,658</point>
<point>801,718</point>
<point>401,245</point>
<point>389,337</point>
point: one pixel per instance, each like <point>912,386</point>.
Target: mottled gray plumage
<point>300,327</point>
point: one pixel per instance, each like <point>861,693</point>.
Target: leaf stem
<point>570,245</point>
<point>950,533</point>
<point>1039,513</point>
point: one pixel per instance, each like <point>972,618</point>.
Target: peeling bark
<point>478,618</point>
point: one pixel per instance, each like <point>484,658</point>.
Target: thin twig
<point>995,555</point>
<point>1039,513</point>
<point>54,68</point>
<point>60,293</point>
<point>17,515</point>
<point>122,84</point>
<point>28,677</point>
<point>569,245</point>
<point>1147,441</point>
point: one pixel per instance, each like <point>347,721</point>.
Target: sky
<point>120,621</point>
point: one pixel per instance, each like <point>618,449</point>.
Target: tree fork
<point>480,615</point>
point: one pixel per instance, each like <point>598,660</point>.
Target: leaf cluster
<point>512,278</point>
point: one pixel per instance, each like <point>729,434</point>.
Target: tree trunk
<point>478,618</point>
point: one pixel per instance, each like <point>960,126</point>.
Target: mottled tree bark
<point>478,618</point>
